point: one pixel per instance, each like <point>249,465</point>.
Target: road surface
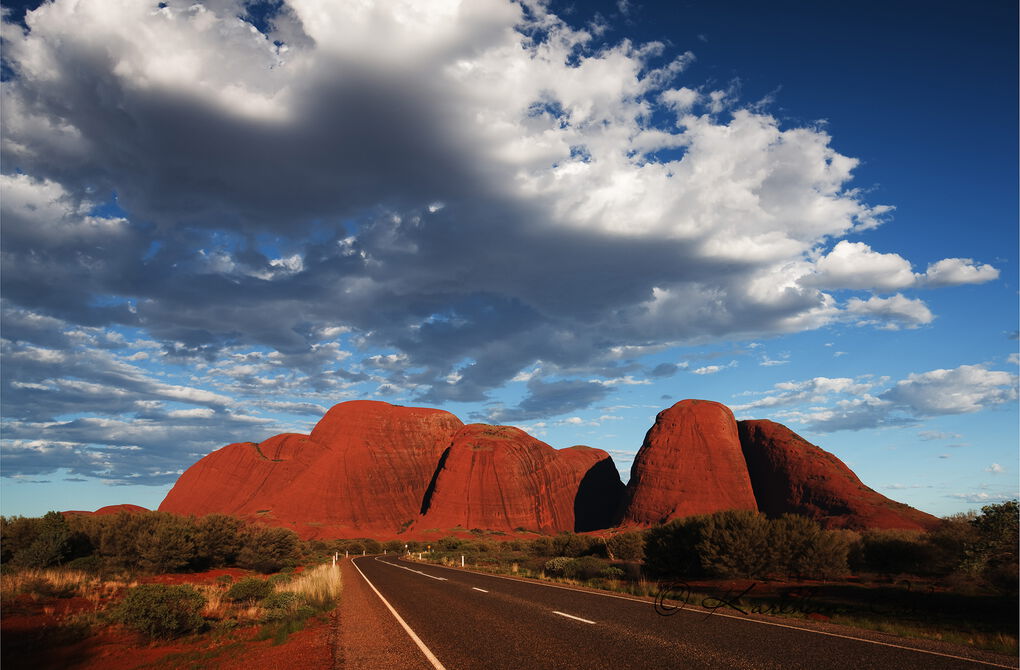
<point>464,620</point>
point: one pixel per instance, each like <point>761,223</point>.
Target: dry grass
<point>319,586</point>
<point>59,583</point>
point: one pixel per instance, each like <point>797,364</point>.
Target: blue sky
<point>221,219</point>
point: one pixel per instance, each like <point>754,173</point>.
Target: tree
<point>45,542</point>
<point>670,549</point>
<point>217,541</point>
<point>627,546</point>
<point>994,554</point>
<point>735,543</point>
<point>268,549</point>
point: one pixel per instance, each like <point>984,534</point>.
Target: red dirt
<point>38,634</point>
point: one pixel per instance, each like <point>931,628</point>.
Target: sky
<point>218,219</point>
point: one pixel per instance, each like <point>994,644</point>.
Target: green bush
<point>627,546</point>
<point>585,567</point>
<point>994,554</point>
<point>612,572</point>
<point>162,611</point>
<point>735,543</point>
<point>217,541</point>
<point>670,549</point>
<point>799,547</point>
<point>268,549</point>
<point>558,566</point>
<point>894,552</point>
<point>281,605</point>
<point>251,590</point>
<point>570,544</point>
<point>38,543</point>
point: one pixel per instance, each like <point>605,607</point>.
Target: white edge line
<point>571,616</point>
<point>478,589</point>
<point>731,616</point>
<point>417,640</point>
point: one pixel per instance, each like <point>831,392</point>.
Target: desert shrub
<point>164,542</point>
<point>354,548</point>
<point>670,549</point>
<point>585,567</point>
<point>448,544</point>
<point>570,544</point>
<point>281,605</point>
<point>250,590</point>
<point>373,546</point>
<point>280,578</point>
<point>558,566</point>
<point>950,543</point>
<point>92,564</point>
<point>735,543</point>
<point>612,572</point>
<point>40,543</point>
<point>799,547</point>
<point>268,549</point>
<point>993,554</point>
<point>894,552</point>
<point>393,546</point>
<point>218,540</point>
<point>162,611</point>
<point>627,546</point>
<point>541,546</point>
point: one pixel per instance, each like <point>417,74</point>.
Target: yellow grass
<point>319,586</point>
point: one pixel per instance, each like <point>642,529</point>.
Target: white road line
<point>423,574</point>
<point>478,589</point>
<point>571,616</point>
<point>417,640</point>
<point>737,618</point>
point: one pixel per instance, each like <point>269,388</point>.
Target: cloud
<point>891,313</point>
<point>712,369</point>
<point>550,399</point>
<point>417,198</point>
<point>968,388</point>
<point>828,405</point>
<point>928,435</point>
<point>983,497</point>
<point>854,265</point>
<point>957,271</point>
<point>995,468</point>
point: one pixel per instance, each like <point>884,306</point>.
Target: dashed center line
<point>571,616</point>
<point>423,574</point>
<point>478,589</point>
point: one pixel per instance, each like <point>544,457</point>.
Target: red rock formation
<point>112,509</point>
<point>501,478</point>
<point>365,467</point>
<point>791,475</point>
<point>374,469</point>
<point>690,463</point>
<point>117,509</point>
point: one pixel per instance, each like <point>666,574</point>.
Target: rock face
<point>365,467</point>
<point>112,509</point>
<point>690,463</point>
<point>371,469</point>
<point>791,475</point>
<point>501,478</point>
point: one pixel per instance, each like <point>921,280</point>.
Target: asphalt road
<point>467,620</point>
